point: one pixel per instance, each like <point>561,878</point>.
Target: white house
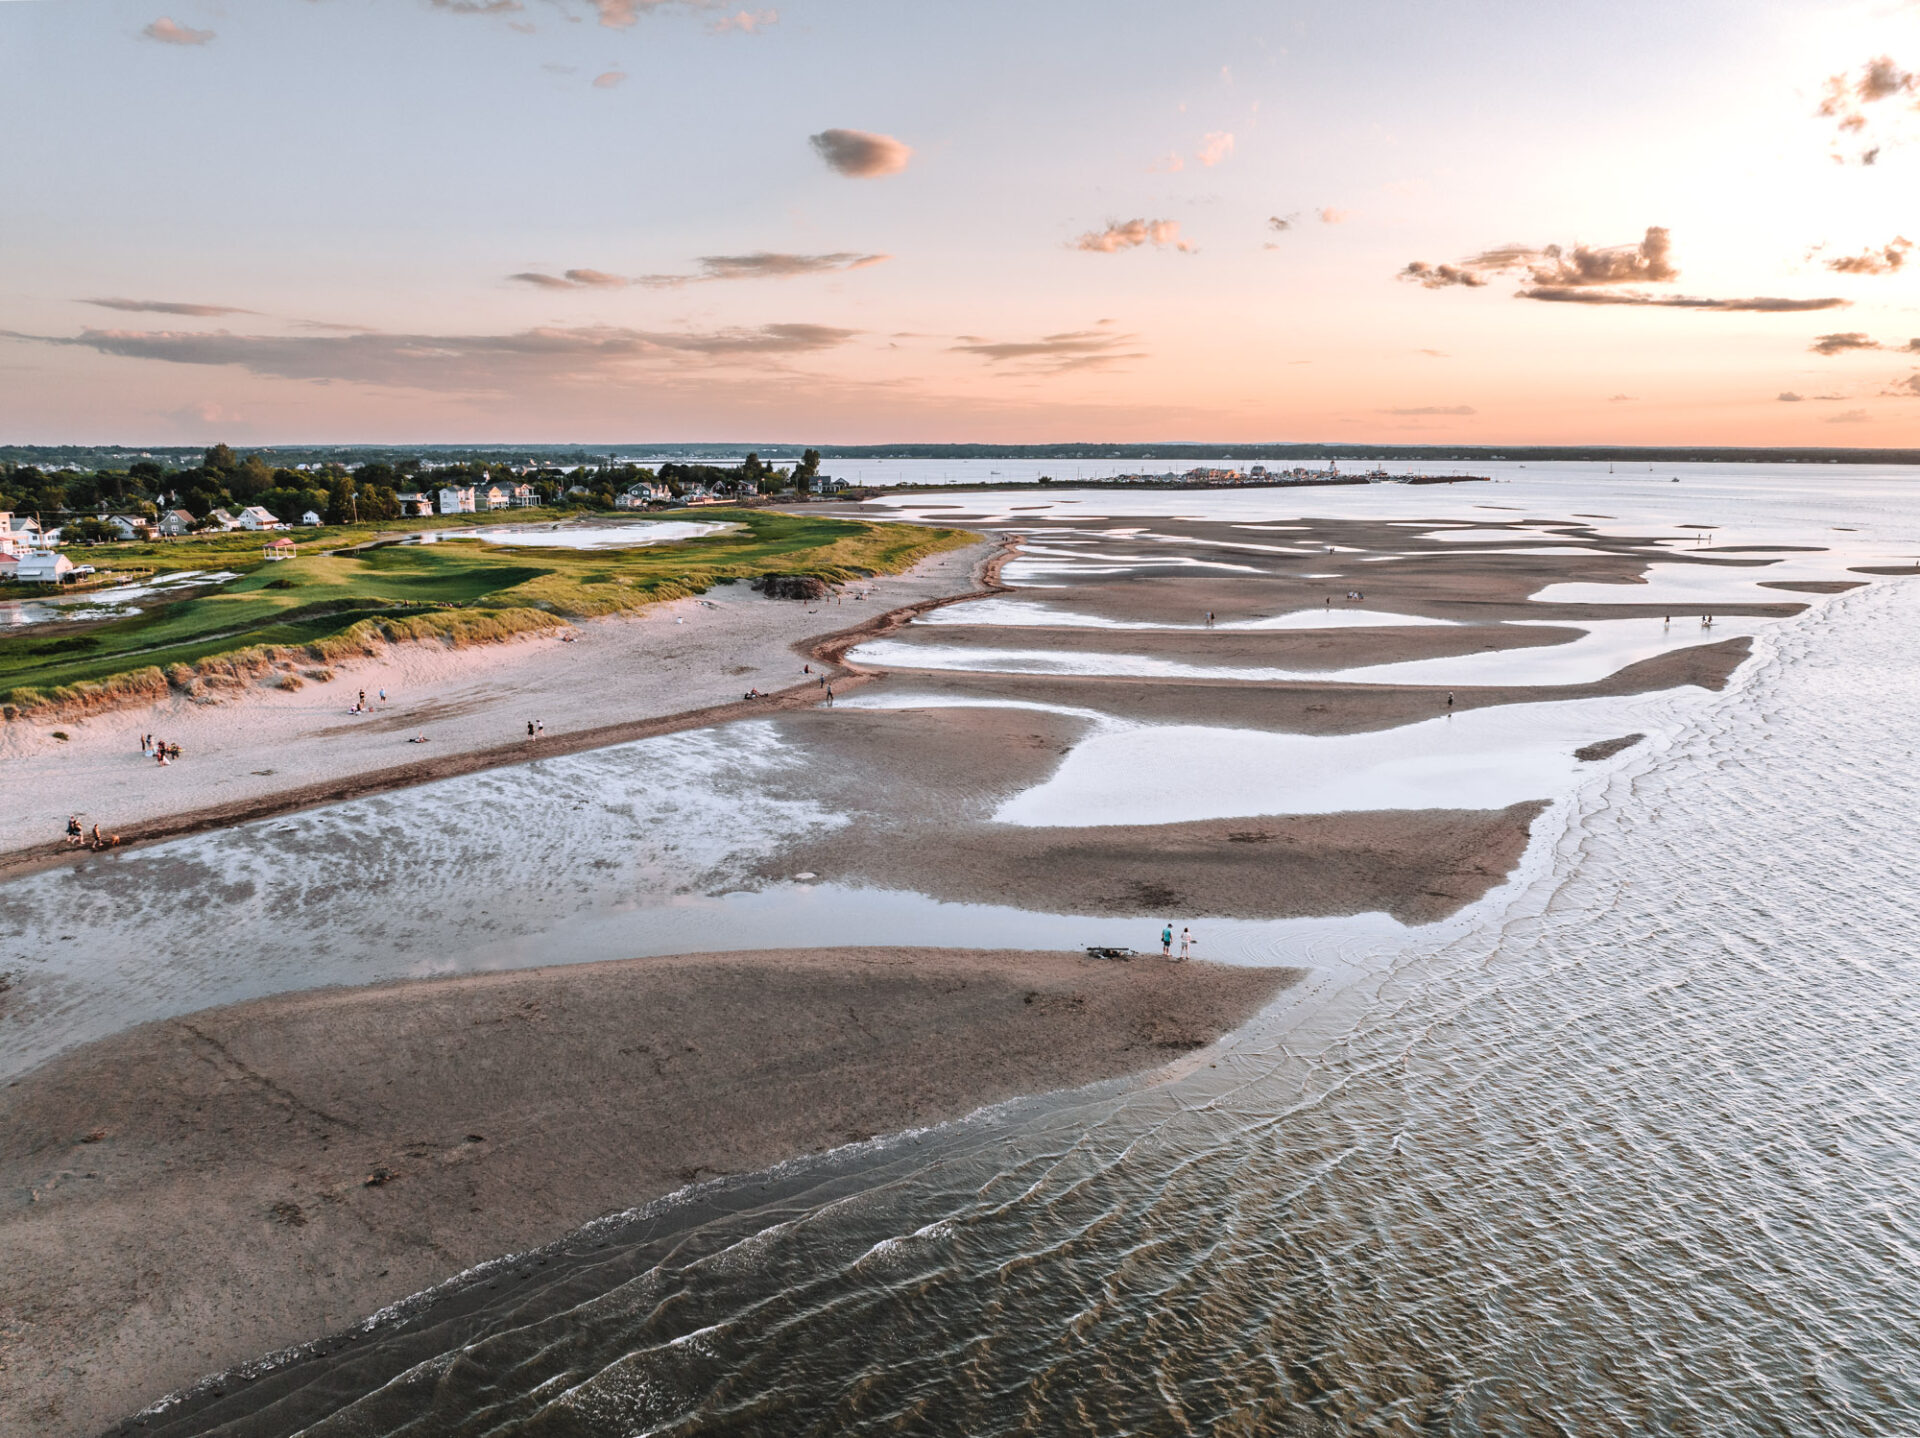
<point>456,501</point>
<point>41,566</point>
<point>490,496</point>
<point>309,518</point>
<point>415,505</point>
<point>524,496</point>
<point>221,519</point>
<point>639,496</point>
<point>13,539</point>
<point>176,522</point>
<point>131,526</point>
<point>254,517</point>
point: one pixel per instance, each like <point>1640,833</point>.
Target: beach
<point>813,924</point>
<point>192,1193</point>
<point>264,750</point>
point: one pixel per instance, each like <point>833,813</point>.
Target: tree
<point>805,472</point>
<point>341,508</point>
<point>146,472</point>
<point>220,460</point>
<point>88,530</point>
<point>250,479</point>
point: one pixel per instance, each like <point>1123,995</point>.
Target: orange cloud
<point>1131,235</point>
<point>170,32</point>
<point>1215,146</point>
<point>860,154</point>
<point>609,79</point>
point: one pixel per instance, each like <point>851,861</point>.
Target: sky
<point>1018,221</point>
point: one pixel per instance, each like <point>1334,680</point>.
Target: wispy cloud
<point>1758,304</point>
<point>1440,277</point>
<point>1850,96</point>
<point>1215,146</point>
<point>1787,396</point>
<point>475,364</point>
<point>1621,398</point>
<point>1131,235</point>
<point>1883,261</point>
<point>166,307</point>
<point>1908,388</point>
<point>760,265</point>
<point>860,154</point>
<point>1434,409</point>
<point>1331,216</point>
<point>1836,344</point>
<point>745,22</point>
<point>1054,354</point>
<point>606,80</point>
<point>169,31</point>
<point>1849,416</point>
<point>1280,224</point>
<point>478,7</point>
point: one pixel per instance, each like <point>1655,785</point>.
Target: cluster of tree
<point>338,495</point>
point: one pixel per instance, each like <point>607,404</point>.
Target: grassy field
<point>331,601</point>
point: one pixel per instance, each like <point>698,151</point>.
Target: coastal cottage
<point>639,496</point>
<point>174,523</point>
<point>131,526</point>
<point>456,500</point>
<point>414,506</point>
<point>491,496</point>
<point>14,540</point>
<point>310,518</point>
<point>253,517</point>
<point>524,496</point>
<point>221,519</point>
<point>41,566</point>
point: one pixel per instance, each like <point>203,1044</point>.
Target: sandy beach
<point>265,750</point>
<point>190,1194</point>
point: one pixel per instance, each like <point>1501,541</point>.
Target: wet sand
<point>190,1194</point>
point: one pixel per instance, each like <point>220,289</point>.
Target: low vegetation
<point>348,591</point>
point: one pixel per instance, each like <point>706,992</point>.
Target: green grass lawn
<point>455,589</point>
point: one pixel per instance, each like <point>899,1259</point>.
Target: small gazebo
<point>278,549</point>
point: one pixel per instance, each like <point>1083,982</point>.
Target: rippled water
<point>1636,1151</point>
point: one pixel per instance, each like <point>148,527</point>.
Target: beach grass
<point>338,597</point>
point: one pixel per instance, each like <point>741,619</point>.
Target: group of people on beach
<point>162,752</point>
<point>360,705</point>
<point>78,838</point>
<point>536,728</point>
<point>1188,944</point>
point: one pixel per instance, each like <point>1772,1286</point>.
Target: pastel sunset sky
<point>1003,220</point>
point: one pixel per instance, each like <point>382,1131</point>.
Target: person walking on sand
<point>1166,941</point>
<point>1449,699</point>
<point>529,728</point>
<point>829,696</point>
<point>383,696</point>
<point>1186,944</point>
<point>539,728</point>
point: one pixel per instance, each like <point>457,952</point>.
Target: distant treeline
<point>406,458</point>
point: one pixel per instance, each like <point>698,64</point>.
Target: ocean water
<point>1633,1146</point>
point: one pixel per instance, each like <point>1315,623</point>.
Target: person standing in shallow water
<point>1186,944</point>
<point>1166,941</point>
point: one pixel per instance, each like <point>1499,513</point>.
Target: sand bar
<point>187,1195</point>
